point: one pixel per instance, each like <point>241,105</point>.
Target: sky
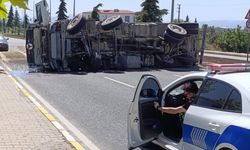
<point>203,10</point>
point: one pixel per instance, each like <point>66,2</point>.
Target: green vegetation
<point>62,10</point>
<point>10,17</point>
<point>17,22</point>
<point>230,40</point>
<point>151,12</point>
<point>3,10</point>
<point>233,40</point>
<point>25,20</point>
<point>10,23</point>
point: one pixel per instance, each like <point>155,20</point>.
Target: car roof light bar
<point>229,67</point>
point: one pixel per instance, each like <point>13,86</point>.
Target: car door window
<point>213,94</point>
<point>150,89</point>
<point>234,102</point>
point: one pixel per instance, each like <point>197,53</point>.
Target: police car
<point>218,119</point>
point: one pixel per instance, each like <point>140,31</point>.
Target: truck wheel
<point>111,22</point>
<point>176,31</point>
<point>76,24</point>
<point>187,61</point>
<point>170,39</point>
<point>191,28</point>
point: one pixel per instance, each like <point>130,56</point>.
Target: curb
<point>71,140</point>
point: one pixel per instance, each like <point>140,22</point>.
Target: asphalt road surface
<point>95,103</point>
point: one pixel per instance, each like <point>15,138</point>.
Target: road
<point>95,103</point>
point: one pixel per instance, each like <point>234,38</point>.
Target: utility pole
<point>50,10</point>
<point>179,12</point>
<point>34,11</point>
<point>2,26</point>
<point>172,11</point>
<point>248,45</point>
<point>74,8</point>
<point>203,45</point>
<point>24,23</point>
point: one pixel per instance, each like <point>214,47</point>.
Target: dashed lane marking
<point>119,82</point>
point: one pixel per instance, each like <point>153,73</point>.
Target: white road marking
<point>128,85</point>
<point>88,143</point>
<point>60,117</point>
<point>22,53</point>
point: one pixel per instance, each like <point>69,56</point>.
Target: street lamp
<point>172,12</point>
<point>74,8</point>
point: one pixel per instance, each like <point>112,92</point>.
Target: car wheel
<point>176,31</point>
<point>111,22</point>
<point>191,28</point>
<point>76,24</point>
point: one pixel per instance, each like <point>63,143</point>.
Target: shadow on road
<point>150,146</point>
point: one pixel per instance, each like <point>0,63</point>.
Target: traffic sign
<point>248,15</point>
<point>248,24</point>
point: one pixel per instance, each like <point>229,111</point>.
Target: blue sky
<point>203,10</point>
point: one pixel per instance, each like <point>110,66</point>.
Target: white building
<point>126,15</point>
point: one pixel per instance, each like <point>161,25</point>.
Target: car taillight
<point>229,67</point>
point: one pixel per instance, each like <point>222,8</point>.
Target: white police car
<point>218,119</point>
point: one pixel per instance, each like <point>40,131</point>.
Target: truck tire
<point>111,22</point>
<point>176,31</point>
<point>170,39</point>
<point>191,28</point>
<point>76,24</point>
<point>185,60</point>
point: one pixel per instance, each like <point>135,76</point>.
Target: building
<point>126,15</point>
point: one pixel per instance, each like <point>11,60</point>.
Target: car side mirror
<point>7,38</point>
<point>148,93</point>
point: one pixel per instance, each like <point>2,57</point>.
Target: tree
<point>195,20</point>
<point>19,3</point>
<point>17,22</point>
<point>151,12</point>
<point>10,17</point>
<point>25,20</point>
<point>95,12</point>
<point>62,11</point>
<point>17,19</point>
<point>233,40</point>
<point>187,19</point>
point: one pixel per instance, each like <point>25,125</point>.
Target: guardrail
<point>226,53</point>
<point>238,57</point>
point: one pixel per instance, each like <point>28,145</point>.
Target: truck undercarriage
<point>80,44</point>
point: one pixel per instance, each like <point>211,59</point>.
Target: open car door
<point>143,118</point>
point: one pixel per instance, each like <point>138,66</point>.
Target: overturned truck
<point>81,44</point>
